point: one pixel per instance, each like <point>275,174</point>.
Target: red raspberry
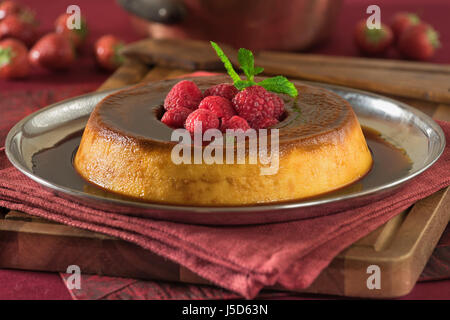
<point>176,117</point>
<point>235,123</point>
<point>220,106</point>
<point>264,123</point>
<point>207,118</point>
<point>278,106</point>
<point>254,103</point>
<point>184,94</point>
<point>225,90</point>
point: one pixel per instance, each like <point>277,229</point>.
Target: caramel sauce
<point>135,113</point>
<point>56,164</point>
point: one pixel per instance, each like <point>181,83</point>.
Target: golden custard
<point>127,150</point>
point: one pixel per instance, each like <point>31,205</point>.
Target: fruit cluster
<point>54,51</point>
<point>413,38</point>
<point>222,107</point>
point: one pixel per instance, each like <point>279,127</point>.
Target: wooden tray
<point>401,247</point>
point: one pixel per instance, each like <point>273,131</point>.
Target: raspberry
<point>220,106</point>
<point>254,103</point>
<point>264,123</point>
<point>207,118</point>
<point>278,105</point>
<point>176,117</point>
<point>235,123</point>
<point>225,90</point>
<point>184,94</point>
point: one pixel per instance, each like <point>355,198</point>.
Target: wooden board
<point>401,247</point>
<point>425,81</point>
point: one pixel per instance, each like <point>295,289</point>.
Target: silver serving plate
<point>403,126</point>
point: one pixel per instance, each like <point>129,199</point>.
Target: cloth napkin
<point>242,259</point>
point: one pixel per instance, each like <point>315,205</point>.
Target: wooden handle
<point>424,81</point>
<point>130,72</point>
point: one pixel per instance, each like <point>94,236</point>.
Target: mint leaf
<point>279,84</point>
<point>247,62</point>
<point>242,84</point>
<point>258,70</point>
<point>226,62</point>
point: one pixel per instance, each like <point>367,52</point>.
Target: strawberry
<point>402,21</point>
<point>107,52</point>
<point>77,36</point>
<point>53,51</point>
<point>419,42</point>
<point>9,8</point>
<point>19,27</point>
<point>13,59</point>
<point>373,41</point>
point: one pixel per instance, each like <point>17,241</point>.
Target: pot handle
<point>162,11</point>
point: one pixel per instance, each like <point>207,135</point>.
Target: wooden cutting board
<point>401,247</point>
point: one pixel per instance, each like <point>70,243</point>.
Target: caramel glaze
<point>56,164</point>
<point>126,149</point>
<point>132,115</point>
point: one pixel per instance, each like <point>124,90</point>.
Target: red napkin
<point>242,259</point>
<point>96,287</point>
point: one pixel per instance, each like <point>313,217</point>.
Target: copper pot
<point>253,24</point>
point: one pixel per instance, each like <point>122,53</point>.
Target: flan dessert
<point>126,149</point>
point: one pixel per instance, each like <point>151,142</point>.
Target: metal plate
<point>403,126</point>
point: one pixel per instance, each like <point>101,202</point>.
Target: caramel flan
<point>126,149</point>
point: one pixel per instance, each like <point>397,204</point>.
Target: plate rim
<point>263,207</point>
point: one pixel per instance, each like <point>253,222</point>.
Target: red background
<point>105,16</point>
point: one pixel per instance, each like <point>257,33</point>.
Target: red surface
<point>105,17</point>
<point>26,285</point>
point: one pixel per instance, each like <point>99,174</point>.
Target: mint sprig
<point>278,84</point>
<point>247,62</point>
<point>226,62</point>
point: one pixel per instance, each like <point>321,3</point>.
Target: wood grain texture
<point>188,54</point>
<point>424,81</point>
<point>401,247</point>
<point>158,73</point>
<point>355,62</point>
<point>131,72</point>
<point>438,266</point>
